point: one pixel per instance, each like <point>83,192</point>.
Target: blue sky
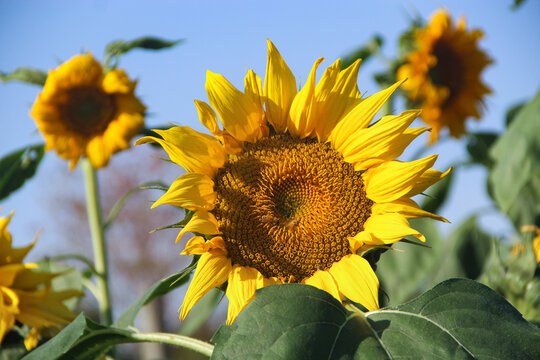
<point>230,37</point>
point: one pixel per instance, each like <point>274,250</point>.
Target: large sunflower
<point>444,74</point>
<point>296,187</point>
<point>26,295</point>
<point>84,112</point>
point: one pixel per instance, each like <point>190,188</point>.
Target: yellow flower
<point>84,112</point>
<point>298,185</point>
<point>444,74</point>
<point>26,295</point>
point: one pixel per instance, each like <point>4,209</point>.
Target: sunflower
<point>84,112</point>
<point>26,296</point>
<point>444,74</point>
<point>296,186</point>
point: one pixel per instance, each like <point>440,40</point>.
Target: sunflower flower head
<point>26,295</point>
<point>295,186</point>
<point>444,74</point>
<point>83,111</point>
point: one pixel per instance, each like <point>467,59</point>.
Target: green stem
<point>178,340</point>
<point>98,241</point>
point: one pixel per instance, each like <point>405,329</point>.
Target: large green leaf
<point>515,178</point>
<point>162,287</point>
<point>456,319</point>
<point>17,167</point>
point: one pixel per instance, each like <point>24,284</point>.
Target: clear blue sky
<point>228,37</point>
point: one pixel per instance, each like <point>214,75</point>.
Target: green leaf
<point>517,4</point>
<point>119,47</point>
<point>456,319</point>
<point>363,52</point>
<point>512,112</point>
<point>515,177</point>
<point>17,167</point>
<point>478,147</point>
<point>122,201</point>
<point>438,193</point>
<point>27,75</point>
<point>160,288</point>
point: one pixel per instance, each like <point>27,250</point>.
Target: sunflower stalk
<point>98,241</point>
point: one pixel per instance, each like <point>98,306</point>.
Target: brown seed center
<point>86,110</point>
<point>286,206</point>
<point>448,71</point>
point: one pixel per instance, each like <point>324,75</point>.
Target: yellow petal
<point>117,81</point>
<point>239,114</point>
<point>360,116</point>
<point>195,246</point>
<point>323,280</point>
<point>212,270</point>
<point>98,152</point>
<point>381,142</point>
<point>357,281</point>
<point>80,70</point>
<point>303,114</point>
<point>343,96</point>
<point>194,151</point>
<point>32,338</point>
<point>192,191</point>
<point>389,228</point>
<point>202,222</point>
<point>406,207</point>
<point>198,245</point>
<point>263,281</point>
<point>208,118</point>
<point>428,178</point>
<point>240,289</point>
<point>279,89</point>
<point>253,90</point>
<point>393,179</point>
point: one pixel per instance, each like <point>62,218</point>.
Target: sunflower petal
<point>357,281</point>
<point>212,270</point>
<point>239,114</point>
<point>279,89</point>
<point>240,290</point>
<point>343,96</point>
<point>428,178</point>
<point>323,280</point>
<point>393,179</point>
<point>389,228</point>
<point>202,222</point>
<point>360,116</point>
<point>192,191</point>
<point>194,151</point>
<point>406,207</point>
<point>381,142</point>
<point>303,114</point>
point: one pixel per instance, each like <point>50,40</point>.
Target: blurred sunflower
<point>444,74</point>
<point>26,295</point>
<point>298,187</point>
<point>84,112</point>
